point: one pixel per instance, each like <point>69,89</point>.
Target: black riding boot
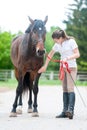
<point>65,106</point>
<point>70,111</point>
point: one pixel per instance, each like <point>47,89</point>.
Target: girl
<point>68,49</point>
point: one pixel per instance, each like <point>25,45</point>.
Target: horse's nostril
<point>40,52</point>
<point>44,51</point>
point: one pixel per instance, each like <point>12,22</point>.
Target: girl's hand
<point>65,59</point>
<point>42,69</point>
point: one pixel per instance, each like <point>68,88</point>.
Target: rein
<point>61,70</point>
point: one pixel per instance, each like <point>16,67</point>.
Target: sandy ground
<point>49,105</point>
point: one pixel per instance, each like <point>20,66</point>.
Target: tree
<point>5,41</point>
<point>5,44</point>
<point>76,25</point>
<point>49,44</point>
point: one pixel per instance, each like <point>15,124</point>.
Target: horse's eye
<point>33,48</point>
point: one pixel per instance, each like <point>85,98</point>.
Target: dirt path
<point>4,89</point>
<point>49,105</point>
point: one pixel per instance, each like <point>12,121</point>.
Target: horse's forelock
<point>36,24</point>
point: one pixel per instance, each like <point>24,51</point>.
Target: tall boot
<point>70,111</point>
<point>65,106</point>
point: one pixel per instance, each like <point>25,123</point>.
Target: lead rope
<point>61,74</point>
<point>61,70</point>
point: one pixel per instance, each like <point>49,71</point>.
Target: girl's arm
<point>75,55</point>
<point>43,68</point>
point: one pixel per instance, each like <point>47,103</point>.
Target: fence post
<point>51,75</point>
<point>12,74</point>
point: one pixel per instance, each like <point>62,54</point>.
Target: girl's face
<point>59,40</point>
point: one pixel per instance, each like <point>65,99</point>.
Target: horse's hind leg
<point>28,83</point>
<point>19,107</point>
<point>30,100</point>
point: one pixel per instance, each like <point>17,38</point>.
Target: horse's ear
<point>31,20</point>
<point>46,19</point>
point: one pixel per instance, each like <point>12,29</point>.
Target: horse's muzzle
<point>40,53</point>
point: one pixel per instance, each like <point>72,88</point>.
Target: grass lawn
<point>12,83</point>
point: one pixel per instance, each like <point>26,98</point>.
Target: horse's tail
<point>26,83</point>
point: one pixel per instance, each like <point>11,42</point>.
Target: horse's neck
<point>27,44</point>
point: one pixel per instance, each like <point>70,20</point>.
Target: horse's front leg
<point>18,93</point>
<point>19,107</point>
<point>35,91</point>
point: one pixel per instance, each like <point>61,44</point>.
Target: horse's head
<point>38,34</point>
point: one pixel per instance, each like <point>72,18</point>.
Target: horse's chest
<point>33,65</point>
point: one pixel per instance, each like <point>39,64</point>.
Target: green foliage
<point>76,25</point>
<point>5,40</point>
<point>5,44</point>
<point>49,44</point>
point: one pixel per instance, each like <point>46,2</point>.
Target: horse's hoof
<point>13,114</point>
<point>30,110</point>
<point>35,114</point>
<point>19,111</point>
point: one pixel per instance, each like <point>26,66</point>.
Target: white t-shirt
<point>66,49</point>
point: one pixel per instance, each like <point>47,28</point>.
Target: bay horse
<point>27,56</point>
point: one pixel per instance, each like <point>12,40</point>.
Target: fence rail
<point>6,74</point>
<point>48,75</point>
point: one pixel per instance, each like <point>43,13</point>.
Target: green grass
<point>58,82</point>
<point>12,83</point>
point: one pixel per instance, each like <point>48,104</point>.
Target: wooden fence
<point>6,74</point>
<point>48,75</point>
